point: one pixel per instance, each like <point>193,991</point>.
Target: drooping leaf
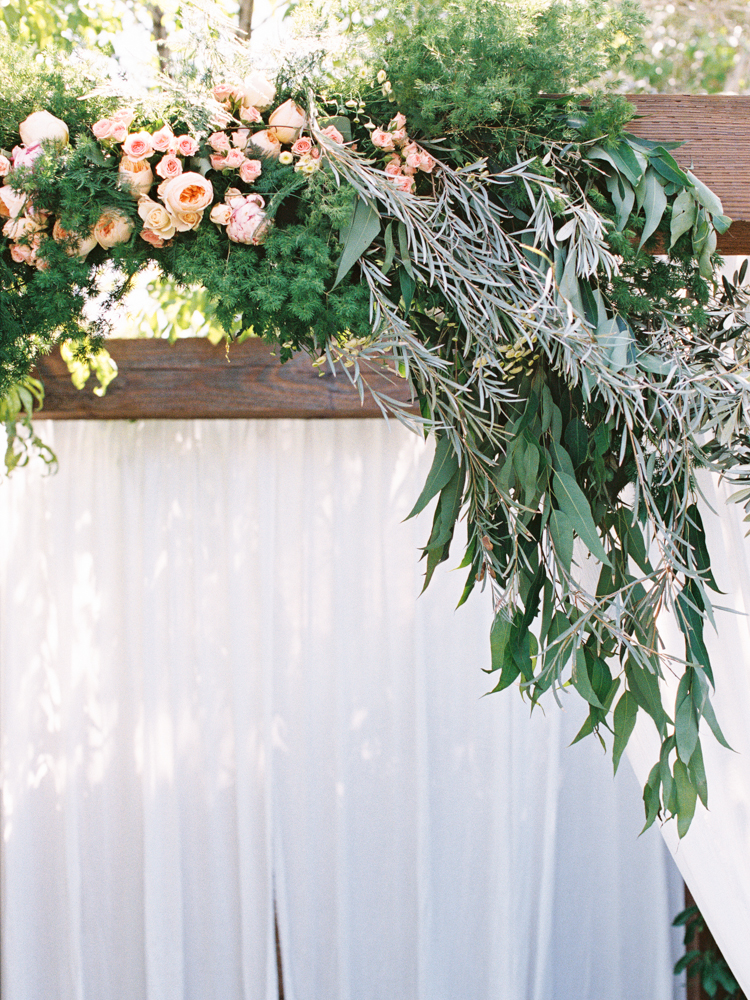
<point>444,465</point>
<point>686,798</point>
<point>577,441</point>
<point>665,164</point>
<point>561,531</point>
<point>623,197</point>
<point>362,230</point>
<point>626,711</point>
<point>697,772</point>
<point>572,502</point>
<point>685,718</point>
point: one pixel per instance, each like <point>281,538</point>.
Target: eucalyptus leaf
<point>710,201</point>
<point>362,230</point>
<point>572,502</point>
<point>654,203</point>
<point>683,215</point>
<point>625,715</point>
<point>444,466</point>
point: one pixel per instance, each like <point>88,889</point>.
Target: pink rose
<point>138,146</point>
<point>426,162</point>
<point>26,156</point>
<point>162,139</point>
<point>217,161</point>
<point>169,166</point>
<point>399,137</point>
<point>125,115</point>
<point>234,159</point>
<point>224,91</point>
<point>240,138</point>
<point>333,133</point>
<point>250,115</point>
<point>186,145</point>
<point>245,222</point>
<point>153,238</point>
<point>4,166</point>
<point>412,160</point>
<point>383,140</point>
<point>119,132</point>
<point>393,167</point>
<point>250,171</point>
<point>403,183</point>
<point>219,142</point>
<point>398,121</point>
<point>103,128</point>
<point>302,146</point>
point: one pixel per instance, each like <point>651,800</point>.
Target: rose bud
<point>265,143</point>
<point>136,175</point>
<point>42,125</point>
<point>287,121</point>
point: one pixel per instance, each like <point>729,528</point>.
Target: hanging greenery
<point>541,279</point>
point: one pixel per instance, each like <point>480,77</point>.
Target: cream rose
<point>156,218</point>
<point>266,143</point>
<point>186,197</point>
<point>11,202</point>
<point>112,228</point>
<point>258,91</point>
<point>287,121</point>
<point>75,246</point>
<point>41,126</point>
<point>136,175</point>
<point>4,166</point>
<point>220,214</point>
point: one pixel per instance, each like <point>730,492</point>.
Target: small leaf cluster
<point>703,961</point>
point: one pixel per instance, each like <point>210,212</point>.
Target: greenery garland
<point>426,211</point>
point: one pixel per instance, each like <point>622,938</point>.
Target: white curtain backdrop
<point>220,695</point>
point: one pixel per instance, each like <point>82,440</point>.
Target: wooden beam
<point>194,379</point>
<point>715,130</point>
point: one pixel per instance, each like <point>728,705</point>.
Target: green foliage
<point>703,961</point>
<point>16,409</point>
<point>47,23</point>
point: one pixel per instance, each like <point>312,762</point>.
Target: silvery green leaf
<point>623,197</point>
<point>710,201</point>
<point>654,203</point>
<point>683,215</point>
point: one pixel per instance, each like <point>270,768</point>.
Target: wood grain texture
<point>194,379</point>
<point>715,132</point>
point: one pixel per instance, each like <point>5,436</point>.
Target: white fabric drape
<point>220,694</point>
<point>713,857</point>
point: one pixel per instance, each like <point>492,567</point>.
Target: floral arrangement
<point>493,249</point>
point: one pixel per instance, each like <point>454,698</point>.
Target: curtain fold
<point>220,693</point>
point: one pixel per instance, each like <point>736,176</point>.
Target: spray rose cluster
<point>136,173</point>
<point>406,157</point>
